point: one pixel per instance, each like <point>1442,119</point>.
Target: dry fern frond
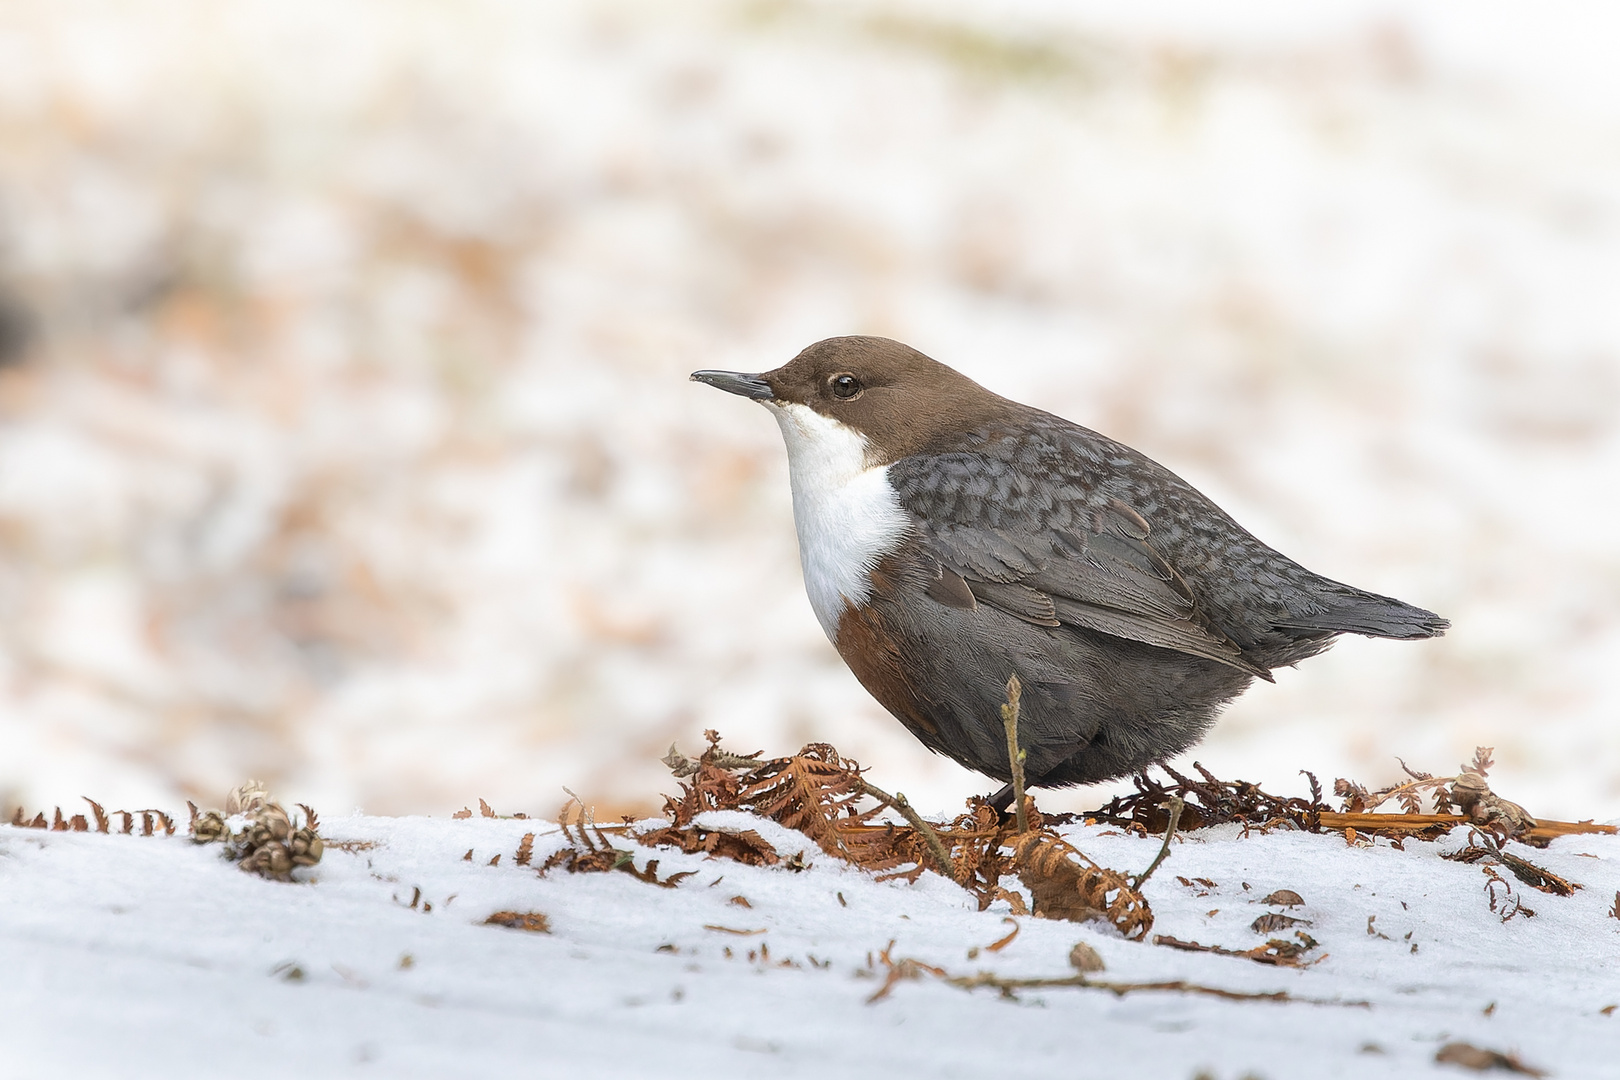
<point>1503,900</point>
<point>590,852</point>
<point>813,792</point>
<point>683,766</point>
<point>151,820</point>
<point>974,840</point>
<point>1467,792</point>
<point>1064,884</point>
<point>1487,846</point>
<point>101,815</point>
<point>820,793</point>
<point>743,845</point>
<point>715,784</point>
<point>1212,801</point>
<point>1209,801</point>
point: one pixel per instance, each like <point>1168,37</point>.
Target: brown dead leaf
<point>1479,1059</point>
<point>1271,922</point>
<point>1002,943</point>
<point>521,920</point>
<point>1085,959</point>
<point>1285,898</point>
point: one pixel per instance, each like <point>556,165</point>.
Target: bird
<point>952,539</point>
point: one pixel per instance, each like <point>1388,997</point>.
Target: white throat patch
<point>846,513</point>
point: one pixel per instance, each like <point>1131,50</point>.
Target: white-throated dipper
<point>951,538</point>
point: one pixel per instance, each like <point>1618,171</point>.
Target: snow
<point>132,957</point>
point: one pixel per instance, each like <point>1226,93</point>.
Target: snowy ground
<point>357,452</point>
<point>132,957</point>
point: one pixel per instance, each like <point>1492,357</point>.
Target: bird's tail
<point>1357,612</point>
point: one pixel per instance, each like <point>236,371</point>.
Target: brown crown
<point>904,402</point>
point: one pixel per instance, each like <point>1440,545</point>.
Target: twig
<point>1015,756</point>
<point>1176,806</point>
<point>942,860</point>
<point>1540,833</point>
<point>1007,986</point>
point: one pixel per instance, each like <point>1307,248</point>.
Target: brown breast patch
<point>874,655</point>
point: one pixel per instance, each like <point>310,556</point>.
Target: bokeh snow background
<point>354,449</point>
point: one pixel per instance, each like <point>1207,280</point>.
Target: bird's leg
<point>1001,799</point>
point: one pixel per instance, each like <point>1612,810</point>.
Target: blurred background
<point>345,436</point>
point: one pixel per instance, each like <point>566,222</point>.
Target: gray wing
<point>1062,552</point>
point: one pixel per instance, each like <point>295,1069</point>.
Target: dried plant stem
<point>1015,756</point>
<point>1176,806</point>
<point>1543,831</point>
<point>1007,986</point>
<point>942,859</point>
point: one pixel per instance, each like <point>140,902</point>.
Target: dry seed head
<point>209,827</point>
<point>246,798</point>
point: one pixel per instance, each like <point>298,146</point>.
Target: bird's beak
<point>735,382</point>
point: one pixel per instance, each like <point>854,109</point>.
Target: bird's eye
<point>845,386</point>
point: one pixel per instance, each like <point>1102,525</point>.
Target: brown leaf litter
<point>589,851</point>
<point>825,797</point>
<point>821,794</point>
<point>1212,801</point>
<point>151,821</point>
<point>268,842</point>
<point>532,921</point>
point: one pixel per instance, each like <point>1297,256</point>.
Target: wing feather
<point>1101,572</point>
